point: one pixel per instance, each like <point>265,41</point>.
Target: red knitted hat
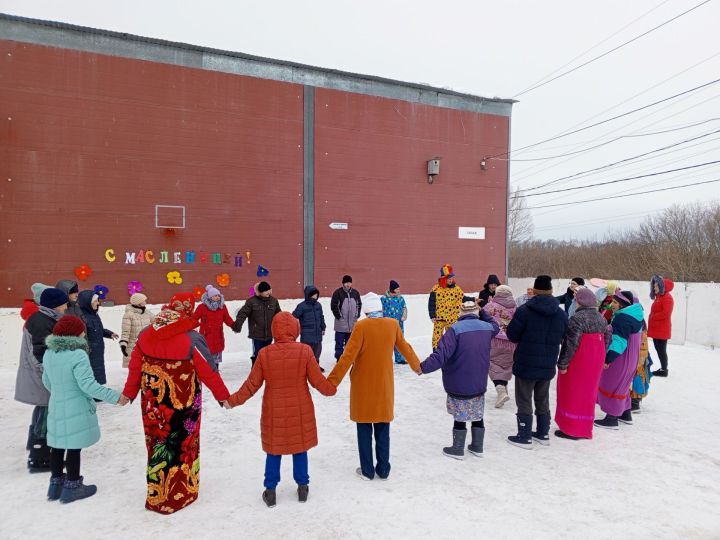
<point>69,325</point>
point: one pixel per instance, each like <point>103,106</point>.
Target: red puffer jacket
<point>211,326</point>
<point>287,424</point>
<point>660,320</point>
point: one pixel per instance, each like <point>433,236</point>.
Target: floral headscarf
<point>178,310</point>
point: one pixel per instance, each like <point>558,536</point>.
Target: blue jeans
<point>382,449</point>
<point>258,345</point>
<point>300,470</point>
<point>399,358</point>
<point>341,339</point>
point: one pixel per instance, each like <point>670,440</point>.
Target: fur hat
<point>52,298</point>
<point>263,286</point>
<point>394,285</point>
<point>624,298</point>
<point>37,289</point>
<point>468,307</point>
<point>543,283</point>
<point>69,325</point>
<point>138,299</point>
<point>503,290</point>
<point>212,291</point>
<point>346,279</point>
<point>371,303</point>
<point>585,298</point>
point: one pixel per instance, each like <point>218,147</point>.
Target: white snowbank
<point>656,479</point>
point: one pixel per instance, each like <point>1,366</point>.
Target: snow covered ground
<point>656,479</point>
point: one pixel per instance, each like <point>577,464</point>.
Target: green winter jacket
<point>72,420</point>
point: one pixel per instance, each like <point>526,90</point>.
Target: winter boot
<point>635,405</point>
<point>564,435</point>
<point>74,490</point>
<point>502,396</point>
<point>457,450</point>
<point>476,445</point>
<point>543,429</point>
<point>269,497</point>
<point>303,492</point>
<point>523,439</point>
<point>39,456</point>
<point>609,422</point>
<point>626,418</point>
<point>56,487</point>
<point>661,372</point>
<point>359,472</point>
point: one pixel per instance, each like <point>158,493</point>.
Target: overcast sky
<point>496,49</point>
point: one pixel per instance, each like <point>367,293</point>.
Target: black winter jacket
<point>339,297</point>
<point>259,312</point>
<point>310,315</point>
<point>40,326</point>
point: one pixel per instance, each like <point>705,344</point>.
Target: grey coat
<point>345,306</point>
<point>584,321</point>
<point>66,285</point>
<point>29,387</point>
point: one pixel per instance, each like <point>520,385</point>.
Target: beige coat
<point>132,323</point>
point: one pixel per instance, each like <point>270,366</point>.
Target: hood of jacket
<point>309,291</point>
<point>285,328</point>
<point>66,343</point>
<point>543,305</point>
<point>85,301</point>
<point>664,286</point>
<point>212,306</point>
<point>66,285</point>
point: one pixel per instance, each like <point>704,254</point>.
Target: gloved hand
<point>123,348</point>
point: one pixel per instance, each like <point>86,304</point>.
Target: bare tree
<point>520,222</point>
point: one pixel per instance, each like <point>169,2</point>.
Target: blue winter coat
<point>310,315</point>
<point>72,420</point>
<point>538,328</point>
<point>95,334</point>
<point>463,354</point>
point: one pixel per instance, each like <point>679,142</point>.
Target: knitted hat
<point>37,289</point>
<point>394,285</point>
<point>52,298</point>
<point>469,306</point>
<point>138,299</point>
<point>543,283</point>
<point>212,291</point>
<point>69,325</point>
<point>346,279</point>
<point>503,290</point>
<point>446,271</point>
<point>585,298</point>
<point>263,286</point>
<point>578,281</point>
<point>371,303</point>
<point>624,298</point>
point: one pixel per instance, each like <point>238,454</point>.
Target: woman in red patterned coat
<point>167,365</point>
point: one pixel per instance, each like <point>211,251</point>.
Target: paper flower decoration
<point>174,277</point>
<point>198,292</point>
<point>262,271</point>
<point>102,291</point>
<point>223,280</point>
<point>251,291</point>
<point>83,272</point>
<point>134,287</point>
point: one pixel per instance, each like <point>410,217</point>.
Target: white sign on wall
<point>339,226</point>
<point>471,233</point>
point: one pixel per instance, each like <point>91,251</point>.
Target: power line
<point>705,85</point>
<point>613,164</point>
<point>623,196</point>
<point>563,74</point>
<point>597,44</point>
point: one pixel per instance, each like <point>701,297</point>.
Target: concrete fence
<point>695,317</point>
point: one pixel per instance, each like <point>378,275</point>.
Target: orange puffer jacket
<point>287,423</point>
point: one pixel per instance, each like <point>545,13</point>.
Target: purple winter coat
<point>463,354</point>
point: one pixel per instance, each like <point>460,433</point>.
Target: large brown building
<point>137,157</point>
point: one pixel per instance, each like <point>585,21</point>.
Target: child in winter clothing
<point>538,328</point>
<point>502,309</point>
<point>580,365</point>
<point>312,321</point>
<point>394,307</point>
<point>135,318</point>
<point>287,423</point>
<point>211,313</point>
<point>72,420</point>
<point>641,380</point>
<point>89,302</point>
<point>463,354</point>
<point>660,320</point>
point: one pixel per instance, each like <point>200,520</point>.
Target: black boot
<point>39,456</point>
<point>609,422</point>
<point>303,492</point>
<point>269,497</point>
<point>476,445</point>
<point>542,435</point>
<point>74,490</point>
<point>457,450</point>
<point>626,418</point>
<point>56,486</point>
<point>523,438</point>
<point>635,405</point>
<point>660,372</point>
